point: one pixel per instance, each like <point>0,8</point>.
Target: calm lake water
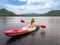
<point>48,36</point>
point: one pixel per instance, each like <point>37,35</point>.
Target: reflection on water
<point>19,37</point>
<point>33,33</point>
<point>43,34</point>
<point>43,38</point>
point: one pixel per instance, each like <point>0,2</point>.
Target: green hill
<point>4,12</point>
<point>53,13</point>
<point>50,13</point>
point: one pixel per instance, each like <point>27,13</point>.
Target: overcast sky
<point>30,6</point>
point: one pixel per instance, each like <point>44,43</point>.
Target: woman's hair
<point>32,20</point>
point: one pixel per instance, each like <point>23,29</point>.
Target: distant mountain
<point>53,13</point>
<point>50,13</point>
<point>30,14</point>
<point>4,12</point>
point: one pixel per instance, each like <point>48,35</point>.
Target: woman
<point>32,24</point>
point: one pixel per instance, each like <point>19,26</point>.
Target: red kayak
<point>19,31</point>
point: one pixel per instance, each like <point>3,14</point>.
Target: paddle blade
<point>43,26</point>
<point>22,21</point>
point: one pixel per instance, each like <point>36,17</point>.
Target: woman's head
<point>32,20</point>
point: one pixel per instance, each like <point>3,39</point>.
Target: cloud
<point>31,6</point>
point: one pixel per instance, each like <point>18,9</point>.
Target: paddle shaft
<point>42,26</point>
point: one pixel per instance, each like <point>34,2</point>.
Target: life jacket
<point>33,24</point>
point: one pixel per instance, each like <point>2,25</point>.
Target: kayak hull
<point>11,33</point>
<point>19,31</point>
